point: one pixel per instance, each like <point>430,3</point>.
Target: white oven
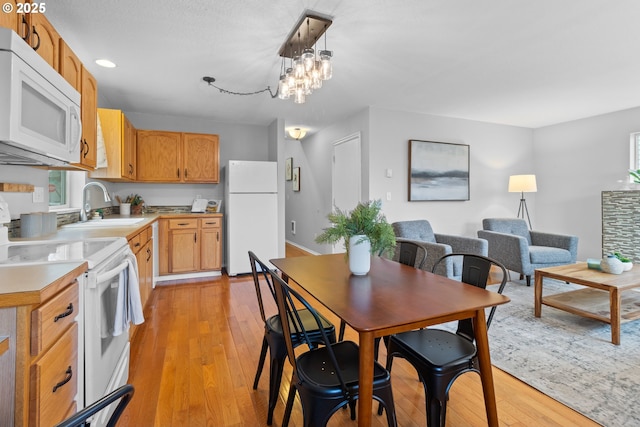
<point>106,345</point>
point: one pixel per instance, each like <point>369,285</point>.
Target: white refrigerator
<point>251,193</point>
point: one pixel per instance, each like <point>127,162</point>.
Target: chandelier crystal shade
<point>307,68</point>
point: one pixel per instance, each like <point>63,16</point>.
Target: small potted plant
<point>137,202</point>
<point>626,262</point>
<point>364,231</point>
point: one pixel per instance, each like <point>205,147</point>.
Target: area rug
<point>569,358</point>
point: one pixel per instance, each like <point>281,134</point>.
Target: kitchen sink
<point>107,222</point>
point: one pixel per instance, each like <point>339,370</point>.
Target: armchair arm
<point>562,241</point>
<point>462,244</point>
<point>511,250</point>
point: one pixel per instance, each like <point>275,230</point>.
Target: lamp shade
<point>522,184</point>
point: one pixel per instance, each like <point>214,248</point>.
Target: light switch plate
<point>38,195</point>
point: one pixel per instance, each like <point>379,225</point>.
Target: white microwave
<point>39,110</point>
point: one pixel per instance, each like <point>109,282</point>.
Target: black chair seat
<point>438,348</point>
<point>273,323</point>
<point>347,355</point>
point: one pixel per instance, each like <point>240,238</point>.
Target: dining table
<point>392,298</point>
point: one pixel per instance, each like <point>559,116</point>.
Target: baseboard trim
<point>301,248</point>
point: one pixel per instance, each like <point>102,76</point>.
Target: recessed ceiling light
<point>105,63</point>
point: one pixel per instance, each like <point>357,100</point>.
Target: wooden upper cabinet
<point>70,66</point>
<point>129,143</point>
<point>18,22</point>
<point>120,142</point>
<point>46,41</point>
<point>158,156</point>
<point>200,154</point>
<point>177,157</point>
<point>89,112</point>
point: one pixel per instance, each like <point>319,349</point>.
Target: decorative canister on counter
<point>611,264</point>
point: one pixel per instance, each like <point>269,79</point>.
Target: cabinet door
<point>184,251</point>
<point>200,153</point>
<point>129,143</point>
<point>16,22</point>
<point>142,259</point>
<point>211,244</point>
<point>46,40</point>
<point>158,156</point>
<point>70,66</point>
<point>89,107</point>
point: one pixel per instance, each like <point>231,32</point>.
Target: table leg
<point>614,314</point>
<point>365,398</point>
<point>537,300</point>
<point>486,374</point>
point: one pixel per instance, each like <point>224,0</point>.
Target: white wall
<point>575,162</point>
<point>23,202</point>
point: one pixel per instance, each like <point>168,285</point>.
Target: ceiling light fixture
<point>105,63</point>
<point>307,70</point>
<point>296,133</point>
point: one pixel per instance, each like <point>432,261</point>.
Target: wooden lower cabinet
<point>190,244</point>
<point>141,245</point>
<point>43,356</point>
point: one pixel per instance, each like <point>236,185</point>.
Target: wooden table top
<point>581,274</point>
<point>391,294</point>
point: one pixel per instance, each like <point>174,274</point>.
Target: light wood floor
<point>195,357</point>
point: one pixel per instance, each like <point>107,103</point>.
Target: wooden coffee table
<point>591,301</point>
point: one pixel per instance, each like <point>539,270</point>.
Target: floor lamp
<point>523,184</point>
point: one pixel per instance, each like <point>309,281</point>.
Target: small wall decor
<point>438,171</point>
<point>296,179</point>
<point>288,169</point>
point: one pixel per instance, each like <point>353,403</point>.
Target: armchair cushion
<point>508,226</point>
<point>419,230</point>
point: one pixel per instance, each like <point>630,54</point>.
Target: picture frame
<point>296,179</point>
<point>438,171</point>
<point>288,169</point>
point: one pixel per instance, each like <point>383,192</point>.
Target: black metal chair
<point>441,356</point>
<point>325,377</point>
<point>408,252</point>
<point>274,339</point>
<point>81,418</point>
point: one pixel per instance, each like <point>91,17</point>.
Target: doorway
<point>346,176</point>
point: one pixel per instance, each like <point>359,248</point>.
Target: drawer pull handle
<point>210,223</point>
<point>183,223</point>
<point>137,244</point>
<point>65,314</point>
<point>69,375</point>
<point>148,254</point>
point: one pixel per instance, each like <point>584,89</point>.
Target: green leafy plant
<point>635,175</point>
<point>621,257</point>
<point>135,200</point>
<point>365,219</point>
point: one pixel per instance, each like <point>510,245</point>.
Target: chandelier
<point>307,67</point>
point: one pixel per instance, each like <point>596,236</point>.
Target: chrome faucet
<point>86,207</point>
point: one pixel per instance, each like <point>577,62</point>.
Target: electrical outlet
<point>38,195</point>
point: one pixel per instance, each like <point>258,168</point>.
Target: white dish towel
<point>129,305</point>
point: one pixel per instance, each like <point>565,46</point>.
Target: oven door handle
<point>108,275</point>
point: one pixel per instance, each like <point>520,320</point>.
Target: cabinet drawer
<point>136,242</point>
<point>148,235</point>
<point>54,381</point>
<point>175,224</point>
<point>210,223</point>
<point>52,318</point>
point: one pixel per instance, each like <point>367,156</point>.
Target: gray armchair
<point>521,250</point>
<point>438,245</point>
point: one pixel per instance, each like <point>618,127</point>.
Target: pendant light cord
<point>210,81</point>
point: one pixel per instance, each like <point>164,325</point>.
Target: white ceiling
<point>519,62</point>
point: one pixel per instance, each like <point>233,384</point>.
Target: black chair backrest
<point>122,394</point>
<point>258,270</point>
<point>411,253</point>
<point>285,297</point>
<point>475,271</point>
